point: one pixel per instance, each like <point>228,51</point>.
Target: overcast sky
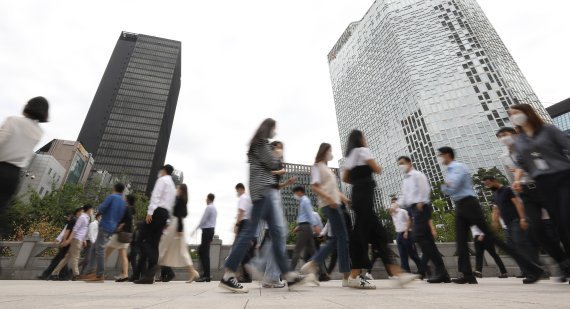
<point>242,61</point>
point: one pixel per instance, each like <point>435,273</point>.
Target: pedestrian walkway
<point>489,293</point>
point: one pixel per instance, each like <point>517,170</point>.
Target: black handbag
<point>125,237</point>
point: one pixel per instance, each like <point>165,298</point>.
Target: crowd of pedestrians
<point>533,206</point>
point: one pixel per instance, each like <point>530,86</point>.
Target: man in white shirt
<point>406,247</point>
<point>91,238</point>
<point>243,216</point>
<point>208,225</point>
<point>415,195</point>
<point>161,203</point>
<point>77,243</point>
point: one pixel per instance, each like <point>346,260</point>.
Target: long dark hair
<point>263,132</point>
<point>323,149</point>
<point>184,192</point>
<point>355,140</point>
<point>532,117</point>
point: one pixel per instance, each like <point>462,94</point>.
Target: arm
<point>287,183</point>
<point>406,233</point>
<point>240,215</point>
<point>432,227</point>
<point>519,173</point>
<point>329,200</point>
<point>520,210</point>
<point>206,216</point>
<point>346,176</point>
<point>104,206</point>
<point>374,166</point>
<point>560,139</point>
<point>155,198</point>
<point>454,180</point>
<point>265,156</point>
<point>495,224</point>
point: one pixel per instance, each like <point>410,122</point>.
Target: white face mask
<point>518,119</point>
<point>403,168</point>
<point>298,198</point>
<point>329,157</point>
<point>507,140</point>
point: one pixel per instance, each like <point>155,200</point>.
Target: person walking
<point>161,203</point>
<point>324,184</point>
<point>77,243</point>
<point>112,211</point>
<point>243,217</point>
<point>459,186</point>
<point>173,248</point>
<point>262,163</point>
<point>509,207</point>
<point>543,151</point>
<point>207,225</point>
<point>115,243</point>
<point>306,226</point>
<point>543,231</point>
<point>481,244</point>
<point>63,241</point>
<point>358,169</point>
<point>404,238</point>
<point>91,238</point>
<point>18,137</point>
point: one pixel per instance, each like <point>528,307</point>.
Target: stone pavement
<point>489,293</point>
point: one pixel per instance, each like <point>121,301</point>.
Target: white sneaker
<point>309,268</point>
<point>273,285</point>
<point>406,278</point>
<point>360,283</point>
<point>368,276</point>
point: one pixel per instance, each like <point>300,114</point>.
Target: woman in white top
<point>18,137</point>
<point>324,184</point>
<point>368,229</point>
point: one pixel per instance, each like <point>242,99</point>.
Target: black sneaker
<point>300,280</point>
<point>465,280</point>
<point>54,278</point>
<point>232,285</point>
<point>203,279</point>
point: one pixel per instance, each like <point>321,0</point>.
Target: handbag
<point>125,237</point>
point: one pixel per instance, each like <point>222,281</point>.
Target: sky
<point>242,61</point>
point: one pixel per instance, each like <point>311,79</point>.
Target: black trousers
<point>204,251</point>
<point>480,247</point>
<point>468,213</point>
<point>61,252</point>
<point>368,229</point>
<point>431,253</point>
<point>150,236</point>
<point>540,232</point>
<point>9,180</point>
<point>554,189</point>
<point>134,254</point>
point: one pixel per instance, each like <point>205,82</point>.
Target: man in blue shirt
<point>459,186</point>
<point>306,226</point>
<point>112,210</point>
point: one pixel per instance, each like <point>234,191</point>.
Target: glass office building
<point>127,128</point>
<point>418,75</point>
<point>560,113</point>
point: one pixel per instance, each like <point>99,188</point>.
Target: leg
<point>430,249</point>
<point>462,225</point>
<point>298,248</point>
<point>124,262</point>
<point>62,263</point>
<point>491,249</point>
<point>102,239</point>
<point>340,241</point>
<point>74,254</point>
<point>204,251</point>
<point>402,250</point>
<point>479,251</point>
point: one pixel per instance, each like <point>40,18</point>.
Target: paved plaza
<point>489,293</point>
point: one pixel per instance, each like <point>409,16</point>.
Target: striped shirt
<point>261,163</point>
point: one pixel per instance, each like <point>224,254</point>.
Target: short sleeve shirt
<point>358,156</point>
<point>503,199</point>
<point>245,204</point>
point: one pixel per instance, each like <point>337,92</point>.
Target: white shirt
<point>415,189</point>
<point>93,231</point>
<point>358,156</point>
<point>209,217</point>
<point>81,227</point>
<point>163,195</point>
<point>476,231</point>
<point>18,137</point>
<point>400,218</point>
<point>245,204</point>
<point>327,230</point>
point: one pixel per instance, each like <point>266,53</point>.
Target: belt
<point>529,186</point>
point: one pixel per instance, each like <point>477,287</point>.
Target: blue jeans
<point>262,209</point>
<point>338,241</point>
<point>97,253</point>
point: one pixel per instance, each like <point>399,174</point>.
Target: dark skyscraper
<point>127,128</point>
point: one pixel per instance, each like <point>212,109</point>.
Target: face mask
<point>298,198</point>
<point>518,119</point>
<point>329,157</point>
<point>403,168</point>
<point>440,160</point>
<point>507,140</point>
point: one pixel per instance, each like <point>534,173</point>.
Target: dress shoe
<point>442,279</point>
<point>145,280</point>
<point>534,277</point>
<point>465,280</point>
<point>503,276</point>
<point>478,274</point>
<point>203,279</point>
